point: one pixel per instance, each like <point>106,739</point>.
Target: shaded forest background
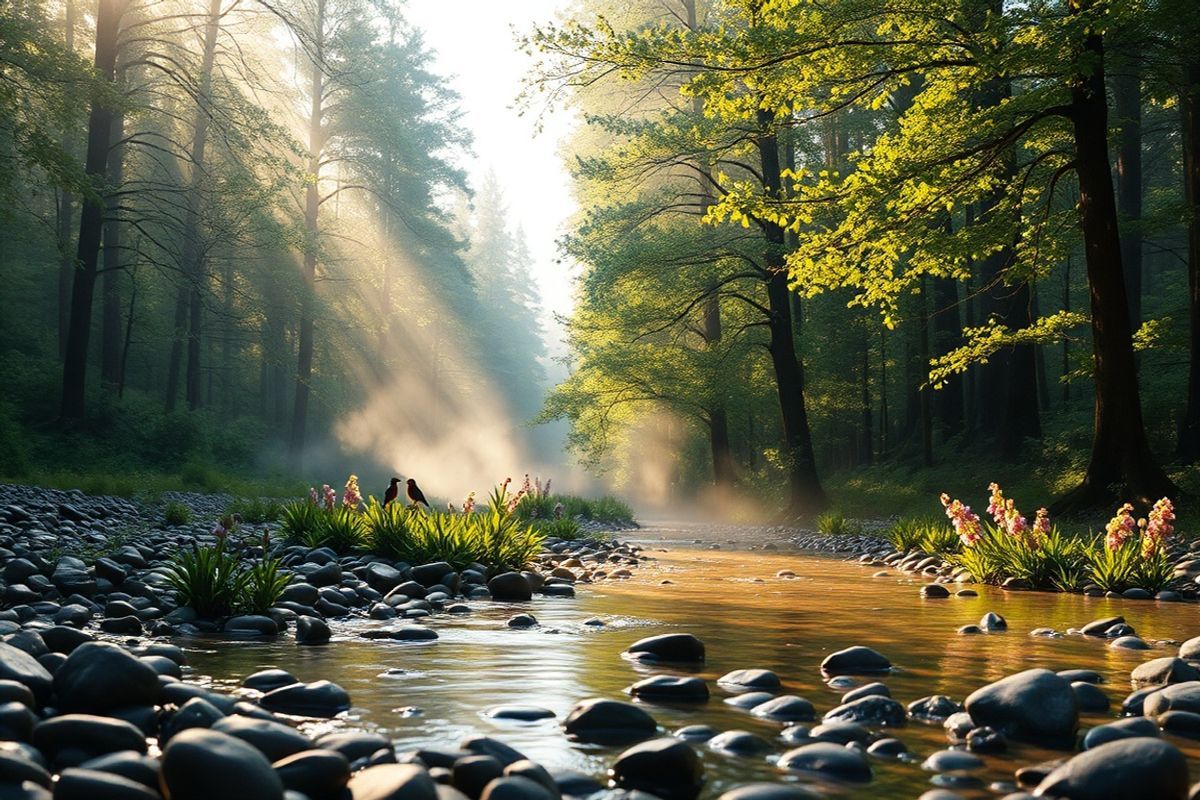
<point>852,253</point>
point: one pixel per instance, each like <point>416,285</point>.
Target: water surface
<point>747,617</point>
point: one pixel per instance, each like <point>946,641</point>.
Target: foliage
<point>940,538</point>
<point>255,510</point>
<point>264,585</point>
<point>342,530</point>
<point>835,523</point>
<point>302,523</point>
<point>389,529</point>
<point>208,579</point>
<point>176,513</point>
<point>906,533</point>
<point>565,528</point>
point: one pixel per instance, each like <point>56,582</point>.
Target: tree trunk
<point>1121,464</point>
<point>312,207</point>
<point>128,342</point>
<point>66,213</point>
<point>805,494</point>
<point>193,250</point>
<point>91,219</point>
<point>947,332</point>
<point>110,321</point>
<point>865,379</point>
<point>175,361</point>
<point>923,400</point>
<point>1127,101</point>
<point>1189,105</point>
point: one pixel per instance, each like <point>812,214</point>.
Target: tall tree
<point>91,219</point>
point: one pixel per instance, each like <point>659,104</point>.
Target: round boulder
<point>608,721</point>
<point>829,760</point>
<point>857,660</point>
<point>683,648</point>
<point>666,768</point>
<point>1034,704</point>
<point>201,765</point>
<point>1135,767</point>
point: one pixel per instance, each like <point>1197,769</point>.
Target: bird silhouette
<point>392,491</point>
<point>415,495</point>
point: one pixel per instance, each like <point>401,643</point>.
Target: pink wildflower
<point>1120,528</point>
<point>1041,523</point>
<point>1015,524</point>
<point>1159,527</point>
<point>330,496</point>
<point>965,521</point>
<point>351,497</point>
<point>469,503</point>
<point>546,488</point>
<point>996,505</point>
<point>312,496</point>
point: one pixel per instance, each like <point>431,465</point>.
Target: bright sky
<point>475,47</point>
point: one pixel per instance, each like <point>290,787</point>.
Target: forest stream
<point>434,694</point>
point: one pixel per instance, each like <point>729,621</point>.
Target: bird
<point>391,492</point>
<point>415,495</point>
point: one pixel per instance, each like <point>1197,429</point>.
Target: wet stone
<point>827,759</point>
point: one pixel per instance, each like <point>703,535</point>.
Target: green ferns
<point>216,583</point>
<point>496,537</point>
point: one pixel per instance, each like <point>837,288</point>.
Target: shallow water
<point>747,618</point>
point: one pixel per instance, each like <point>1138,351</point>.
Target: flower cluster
<point>469,503</point>
<point>1121,528</point>
<point>965,521</point>
<point>1159,527</point>
<point>996,504</point>
<point>352,498</point>
<point>330,497</point>
<point>1041,523</point>
<point>558,508</point>
<point>312,496</point>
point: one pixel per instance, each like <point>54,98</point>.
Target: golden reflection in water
<point>747,617</point>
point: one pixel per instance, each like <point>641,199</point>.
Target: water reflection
<point>786,625</point>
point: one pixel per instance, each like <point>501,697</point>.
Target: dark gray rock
<point>873,710</point>
<point>1121,729</point>
<point>510,586</point>
<point>934,591</point>
<point>88,784</point>
<point>608,721</point>
<point>519,713</point>
<point>316,773</point>
<point>273,739</point>
<point>670,688</point>
<point>135,766</point>
<point>17,665</point>
<point>828,760</point>
<point>205,765</point>
<point>99,677</point>
<point>516,787</point>
<point>952,761</point>
<point>785,708</point>
<point>682,648</point>
<point>1163,671</point>
<point>867,690</point>
<point>769,791</point>
<point>312,630</point>
<point>1135,767</point>
<point>857,660</point>
<point>71,739</point>
<point>1175,697</point>
<point>471,774</point>
<point>251,625</point>
<point>741,743</point>
<point>934,708</point>
<point>666,768</point>
<point>318,699</point>
<point>1034,704</point>
<point>392,782</point>
<point>1089,698</point>
<point>761,679</point>
<point>1100,626</point>
<point>266,680</point>
<point>487,746</point>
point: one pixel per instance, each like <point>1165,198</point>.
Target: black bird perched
<point>415,495</point>
<point>391,492</point>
